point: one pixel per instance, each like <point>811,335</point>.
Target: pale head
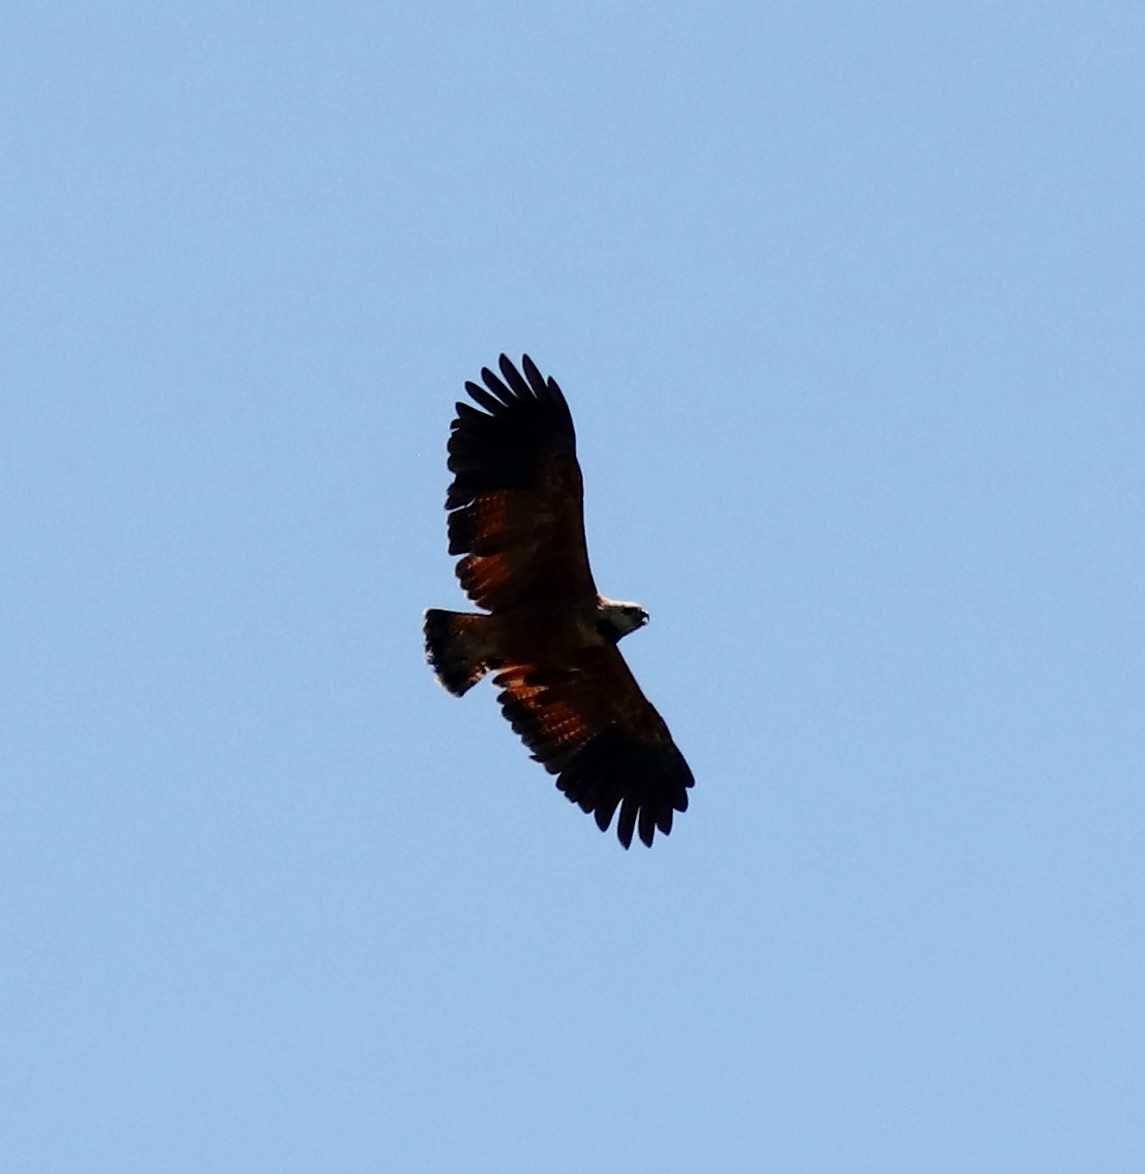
<point>617,618</point>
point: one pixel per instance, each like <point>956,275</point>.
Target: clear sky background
<point>849,304</point>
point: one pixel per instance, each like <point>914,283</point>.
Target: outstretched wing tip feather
<point>646,780</point>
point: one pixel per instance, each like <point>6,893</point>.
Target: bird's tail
<point>453,647</point>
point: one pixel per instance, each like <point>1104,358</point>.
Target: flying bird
<point>547,635</point>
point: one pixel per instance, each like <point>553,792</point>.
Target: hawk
<point>547,635</point>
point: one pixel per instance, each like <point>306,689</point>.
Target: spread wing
<point>589,723</point>
<point>517,495</point>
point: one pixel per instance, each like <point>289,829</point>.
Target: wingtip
<point>508,370</point>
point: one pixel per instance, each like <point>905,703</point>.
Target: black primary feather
<point>526,420</point>
<point>647,780</point>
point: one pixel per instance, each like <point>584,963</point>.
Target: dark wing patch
<point>590,724</point>
<point>647,780</point>
<point>516,496</point>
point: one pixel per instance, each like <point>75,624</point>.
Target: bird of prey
<point>547,636</point>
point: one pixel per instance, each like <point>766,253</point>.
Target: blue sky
<point>847,301</point>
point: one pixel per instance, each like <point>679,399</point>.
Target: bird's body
<point>548,636</point>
